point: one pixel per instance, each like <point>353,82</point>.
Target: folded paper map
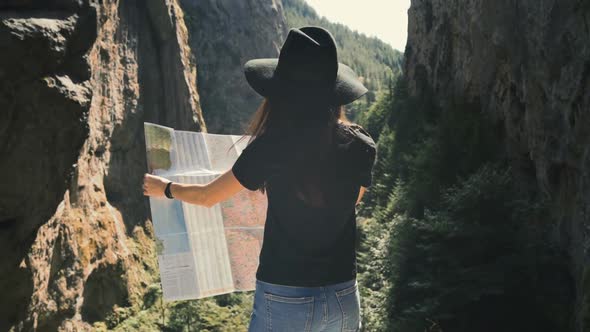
<point>203,251</point>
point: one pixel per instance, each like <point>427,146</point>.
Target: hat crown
<point>308,54</point>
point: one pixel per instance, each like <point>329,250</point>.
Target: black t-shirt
<point>305,245</point>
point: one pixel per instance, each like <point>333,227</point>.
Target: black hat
<point>307,69</point>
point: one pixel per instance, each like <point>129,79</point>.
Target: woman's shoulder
<point>356,132</point>
<point>350,125</point>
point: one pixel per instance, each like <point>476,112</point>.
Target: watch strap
<point>167,190</point>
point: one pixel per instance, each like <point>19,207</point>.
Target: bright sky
<point>385,19</point>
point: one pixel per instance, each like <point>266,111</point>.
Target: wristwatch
<point>167,191</point>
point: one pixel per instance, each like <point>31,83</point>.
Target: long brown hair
<point>288,117</point>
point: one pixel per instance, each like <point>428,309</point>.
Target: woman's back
<point>306,242</point>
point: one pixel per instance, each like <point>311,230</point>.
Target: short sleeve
<point>256,163</point>
<point>366,150</point>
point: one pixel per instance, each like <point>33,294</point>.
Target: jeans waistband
<point>339,285</point>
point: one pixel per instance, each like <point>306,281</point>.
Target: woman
<point>314,167</point>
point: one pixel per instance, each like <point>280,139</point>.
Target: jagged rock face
<point>527,63</point>
<point>77,80</point>
<point>44,98</point>
<point>224,34</point>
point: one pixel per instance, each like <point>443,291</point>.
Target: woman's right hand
<point>154,185</point>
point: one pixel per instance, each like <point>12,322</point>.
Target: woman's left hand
<point>154,185</point>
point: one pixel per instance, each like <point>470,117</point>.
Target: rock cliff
<point>77,80</point>
<point>224,34</point>
<point>528,64</point>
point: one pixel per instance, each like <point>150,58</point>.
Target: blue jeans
<point>280,308</point>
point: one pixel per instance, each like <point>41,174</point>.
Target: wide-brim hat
<point>307,69</point>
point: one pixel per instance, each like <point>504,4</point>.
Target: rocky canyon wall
<point>224,34</point>
<point>77,80</point>
<point>527,63</point>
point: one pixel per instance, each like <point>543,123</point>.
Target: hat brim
<point>260,74</point>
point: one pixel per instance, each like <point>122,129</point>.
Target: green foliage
<point>206,315</point>
<point>152,295</point>
<point>222,313</point>
<point>372,261</point>
<point>372,269</point>
<point>467,258</point>
<point>466,238</point>
<point>375,118</point>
